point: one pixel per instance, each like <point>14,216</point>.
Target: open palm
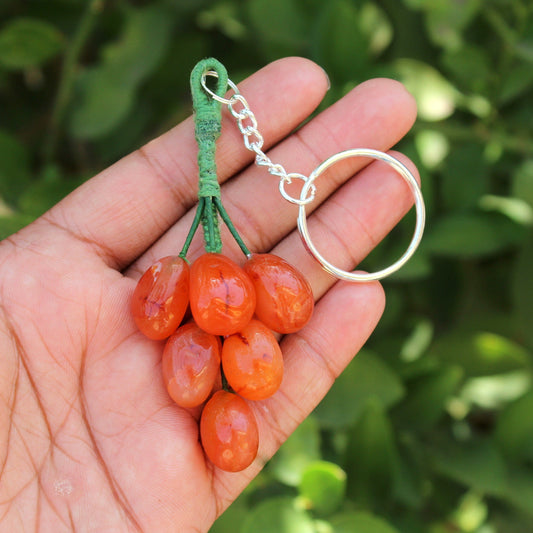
<point>89,439</point>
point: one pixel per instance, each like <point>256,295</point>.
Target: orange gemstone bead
<point>191,365</point>
<point>284,297</point>
<point>252,362</point>
<point>222,296</point>
<point>229,432</point>
<point>161,297</point>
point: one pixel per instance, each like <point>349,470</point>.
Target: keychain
<point>227,353</point>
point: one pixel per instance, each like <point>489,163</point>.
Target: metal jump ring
<point>419,205</point>
<point>227,101</point>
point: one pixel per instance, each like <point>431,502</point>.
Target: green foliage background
<point>430,429</point>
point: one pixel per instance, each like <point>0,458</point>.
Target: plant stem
<point>68,73</point>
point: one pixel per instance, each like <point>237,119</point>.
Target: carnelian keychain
<point>235,311</point>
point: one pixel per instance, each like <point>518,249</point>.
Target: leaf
<point>520,490</point>
<point>366,377</point>
<point>278,515</point>
<point>345,36</point>
<point>523,181</point>
<point>514,429</point>
<point>469,66</point>
<point>360,522</point>
<point>280,25</point>
<point>472,235</point>
<point>427,398</point>
<point>296,453</point>
<point>371,456</point>
<point>234,514</point>
<point>323,486</point>
<point>516,83</point>
<point>493,392</point>
<point>522,290</point>
<point>137,53</point>
<point>14,167</point>
<point>432,146</point>
<point>105,102</point>
<point>480,353</point>
<point>28,42</point>
<point>435,96</point>
<point>106,93</point>
<point>446,20</point>
<point>465,177</point>
<point>477,464</point>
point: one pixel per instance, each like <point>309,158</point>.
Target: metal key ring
<point>222,100</point>
<point>405,173</point>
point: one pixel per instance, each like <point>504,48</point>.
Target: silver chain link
<point>253,141</point>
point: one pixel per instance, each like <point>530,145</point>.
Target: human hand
<point>90,439</point>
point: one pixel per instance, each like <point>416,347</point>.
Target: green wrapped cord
<point>208,125</point>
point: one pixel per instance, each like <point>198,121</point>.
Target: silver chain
<point>253,141</point>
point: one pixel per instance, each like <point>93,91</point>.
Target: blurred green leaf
<point>446,20</point>
<point>410,476</point>
<point>465,177</point>
<point>471,235</point>
<point>371,457</point>
<point>469,66</point>
<point>14,167</point>
<point>516,83</point>
<point>226,17</point>
<point>471,512</point>
<point>523,181</point>
<point>477,464</point>
<point>366,377</point>
<point>432,146</point>
<point>280,25</point>
<point>519,490</point>
<point>146,35</point>
<point>344,53</point>
<point>105,102</point>
<point>106,93</point>
<point>514,209</point>
<point>427,399</point>
<point>226,522</point>
<point>376,27</point>
<point>323,486</point>
<point>27,42</point>
<point>514,429</point>
<point>278,515</point>
<point>493,392</point>
<point>360,522</point>
<point>434,94</point>
<point>345,35</point>
<point>480,353</point>
<point>300,449</point>
<point>522,290</point>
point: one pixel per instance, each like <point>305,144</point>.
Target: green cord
<point>208,121</point>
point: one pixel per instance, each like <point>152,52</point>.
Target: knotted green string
<point>207,121</point>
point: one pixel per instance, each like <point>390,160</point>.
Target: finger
<point>376,114</point>
<point>125,208</point>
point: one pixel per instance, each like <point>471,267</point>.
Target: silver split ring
<point>405,173</point>
<point>222,100</point>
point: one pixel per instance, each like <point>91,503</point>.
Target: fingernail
<point>327,78</point>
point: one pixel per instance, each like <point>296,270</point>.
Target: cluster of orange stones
<point>227,352</point>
